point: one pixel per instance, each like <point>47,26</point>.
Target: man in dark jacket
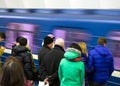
<point>100,63</point>
<point>23,54</point>
<point>16,44</point>
<point>51,63</point>
<point>48,43</point>
<point>47,46</point>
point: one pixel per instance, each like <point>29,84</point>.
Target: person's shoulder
<point>42,49</point>
<point>63,60</point>
<point>81,62</point>
<point>92,50</point>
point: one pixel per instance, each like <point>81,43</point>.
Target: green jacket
<point>71,73</point>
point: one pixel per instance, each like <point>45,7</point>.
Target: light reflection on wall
<point>21,29</point>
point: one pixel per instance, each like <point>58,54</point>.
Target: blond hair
<point>83,47</point>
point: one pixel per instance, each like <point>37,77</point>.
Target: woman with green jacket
<point>71,68</point>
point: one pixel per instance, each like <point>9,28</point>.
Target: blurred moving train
<point>71,25</point>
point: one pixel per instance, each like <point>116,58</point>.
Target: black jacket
<point>25,57</point>
<point>51,63</point>
<point>43,51</point>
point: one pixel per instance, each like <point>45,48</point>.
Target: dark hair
<point>18,38</point>
<point>23,41</point>
<point>2,35</point>
<point>48,40</point>
<point>75,45</point>
<point>102,41</point>
<point>12,73</point>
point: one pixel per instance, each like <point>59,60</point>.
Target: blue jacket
<point>100,61</point>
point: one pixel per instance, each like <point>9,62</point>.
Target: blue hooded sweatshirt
<point>101,63</point>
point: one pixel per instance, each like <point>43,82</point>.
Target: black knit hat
<point>48,40</point>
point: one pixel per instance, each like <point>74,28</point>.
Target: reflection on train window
<point>114,45</point>
<point>72,35</point>
<point>22,29</point>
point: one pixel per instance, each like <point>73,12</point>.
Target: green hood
<point>72,53</point>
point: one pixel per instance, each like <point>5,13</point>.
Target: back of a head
<point>76,46</point>
<point>12,73</point>
<point>23,41</point>
<point>102,41</point>
<point>60,42</point>
<point>2,35</point>
<point>73,52</point>
<point>48,40</point>
<point>18,38</point>
<point>52,36</point>
<point>83,47</point>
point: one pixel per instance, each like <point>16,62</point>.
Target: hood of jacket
<point>72,53</point>
<point>102,50</point>
<point>19,49</point>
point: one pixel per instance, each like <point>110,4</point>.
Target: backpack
<point>34,70</point>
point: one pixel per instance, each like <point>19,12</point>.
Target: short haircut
<point>102,41</point>
<point>48,40</point>
<point>2,35</point>
<point>76,46</point>
<point>23,41</point>
<point>18,38</point>
<point>60,42</point>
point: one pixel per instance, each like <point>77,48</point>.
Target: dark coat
<point>43,51</point>
<point>25,57</point>
<point>101,63</point>
<point>51,63</point>
<point>85,60</point>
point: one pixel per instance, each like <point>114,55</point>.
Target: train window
<point>28,31</point>
<point>21,10</point>
<point>44,11</point>
<point>114,45</point>
<point>3,10</point>
<point>71,35</point>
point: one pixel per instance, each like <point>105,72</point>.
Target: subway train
<point>71,25</point>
